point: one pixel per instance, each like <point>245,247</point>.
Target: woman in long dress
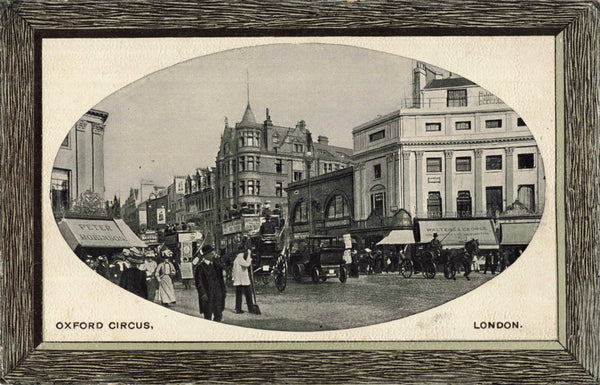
<point>164,273</point>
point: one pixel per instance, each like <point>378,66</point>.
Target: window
<point>279,166</point>
<point>377,136</point>
<point>457,98</point>
<point>430,127</point>
<point>526,196</point>
<point>67,141</point>
<point>463,164</point>
<point>242,187</point>
<point>463,126</point>
<point>249,139</point>
<point>494,123</point>
<point>378,203</point>
<point>250,185</point>
<point>434,205</point>
<point>60,189</point>
<point>493,200</point>
<point>434,164</point>
<point>251,164</point>
<point>463,204</point>
<point>226,148</point>
<point>525,161</point>
<point>297,176</point>
<point>298,147</point>
<point>242,162</point>
<point>520,122</point>
<point>324,168</point>
<point>337,208</point>
<point>300,213</point>
<point>275,139</point>
<point>493,162</point>
<point>377,171</point>
<point>279,189</point>
<point>257,184</point>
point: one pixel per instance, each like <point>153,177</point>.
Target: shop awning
<point>455,233</point>
<point>398,237</point>
<point>102,233</point>
<point>517,233</point>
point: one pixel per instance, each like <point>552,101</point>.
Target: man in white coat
<point>241,279</point>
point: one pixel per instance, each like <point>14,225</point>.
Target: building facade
<point>330,197</point>
<point>199,200</point>
<point>255,163</point>
<point>459,151</point>
<point>79,164</point>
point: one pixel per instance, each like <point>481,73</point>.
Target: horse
<point>464,256</point>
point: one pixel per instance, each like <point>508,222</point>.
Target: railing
<point>484,98</point>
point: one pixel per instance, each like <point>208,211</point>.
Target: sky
<point>170,122</point>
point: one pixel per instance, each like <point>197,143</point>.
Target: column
<point>509,172</point>
<point>396,180</point>
<point>448,156</point>
<point>419,183</point>
<point>406,182</point>
<point>478,191</point>
<point>390,201</point>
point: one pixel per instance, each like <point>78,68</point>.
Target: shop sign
<point>300,235</point>
<point>232,227</point>
<point>252,224</point>
<point>161,216</point>
<point>191,237</point>
<point>340,222</point>
<point>149,237</point>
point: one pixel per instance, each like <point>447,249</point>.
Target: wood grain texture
<point>22,364</point>
<point>301,14</point>
<point>582,156</point>
<point>16,193</point>
<point>303,367</point>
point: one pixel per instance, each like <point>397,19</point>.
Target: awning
<point>455,233</point>
<point>101,233</point>
<point>398,237</point>
<point>517,233</point>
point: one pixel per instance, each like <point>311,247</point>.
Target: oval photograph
<point>302,187</point>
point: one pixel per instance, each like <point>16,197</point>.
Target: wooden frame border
<point>24,23</point>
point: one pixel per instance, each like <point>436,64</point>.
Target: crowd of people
<point>150,274</point>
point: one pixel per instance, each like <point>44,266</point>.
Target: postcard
<point>300,189</point>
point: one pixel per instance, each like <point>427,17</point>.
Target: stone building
<point>330,197</point>
<point>79,164</point>
<point>255,163</point>
<point>199,200</point>
<point>456,151</point>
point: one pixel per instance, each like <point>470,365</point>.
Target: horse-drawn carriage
<point>268,261</point>
<point>414,258</point>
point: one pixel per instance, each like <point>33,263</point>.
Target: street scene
<point>370,187</point>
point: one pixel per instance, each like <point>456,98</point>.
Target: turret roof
<point>248,116</point>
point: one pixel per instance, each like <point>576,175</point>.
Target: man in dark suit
<point>210,285</point>
<point>133,279</point>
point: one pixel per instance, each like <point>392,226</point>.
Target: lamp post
<point>309,161</point>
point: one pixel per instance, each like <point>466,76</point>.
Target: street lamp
<point>309,161</point>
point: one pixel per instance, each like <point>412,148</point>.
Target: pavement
<point>332,305</point>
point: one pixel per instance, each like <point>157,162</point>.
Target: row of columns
<point>479,208</point>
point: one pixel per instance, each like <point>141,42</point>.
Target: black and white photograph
<point>300,187</point>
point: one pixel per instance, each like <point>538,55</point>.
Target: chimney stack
<point>323,140</point>
<point>419,82</point>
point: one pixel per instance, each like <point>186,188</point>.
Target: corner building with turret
<point>254,165</point>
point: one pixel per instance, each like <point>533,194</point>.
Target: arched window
<point>300,212</point>
<point>464,204</point>
<point>337,208</point>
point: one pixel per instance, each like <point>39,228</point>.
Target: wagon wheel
<point>343,274</point>
<point>449,270</point>
<point>315,274</point>
<point>280,275</point>
<point>297,273</point>
<point>429,269</point>
<point>406,268</point>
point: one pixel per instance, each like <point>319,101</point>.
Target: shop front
<point>515,237</point>
<point>454,233</point>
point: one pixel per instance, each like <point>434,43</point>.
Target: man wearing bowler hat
<point>210,285</point>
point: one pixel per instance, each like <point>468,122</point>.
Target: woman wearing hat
<point>164,273</point>
<point>133,279</point>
